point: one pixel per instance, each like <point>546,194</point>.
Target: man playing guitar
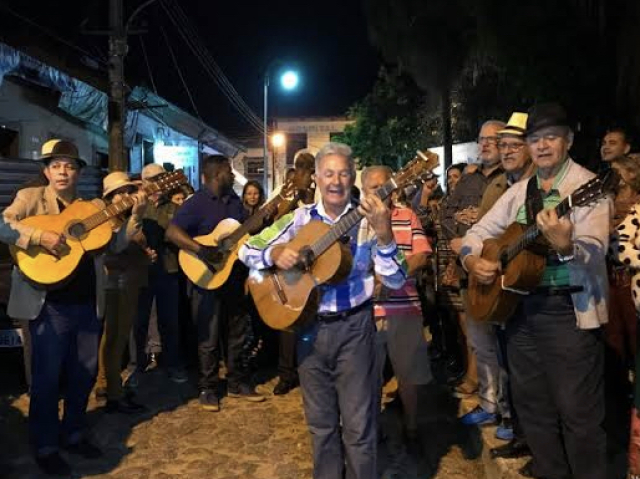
<point>554,349</point>
<point>64,323</point>
<point>199,215</point>
<point>336,353</point>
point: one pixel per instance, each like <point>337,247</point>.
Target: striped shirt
<point>410,238</point>
<point>388,262</point>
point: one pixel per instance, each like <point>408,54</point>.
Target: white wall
<point>36,124</point>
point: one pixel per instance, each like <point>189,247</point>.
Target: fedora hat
<point>516,126</point>
<point>151,171</point>
<point>545,115</point>
<point>55,148</point>
<point>114,181</point>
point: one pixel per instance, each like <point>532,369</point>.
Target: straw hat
<point>516,126</point>
<point>115,180</point>
<point>151,171</point>
<point>55,148</point>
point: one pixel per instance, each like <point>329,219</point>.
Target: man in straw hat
<point>64,323</point>
<point>553,342</point>
<point>126,275</point>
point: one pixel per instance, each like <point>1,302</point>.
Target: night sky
<point>328,41</point>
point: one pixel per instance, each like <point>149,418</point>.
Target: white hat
<point>152,170</point>
<point>115,180</point>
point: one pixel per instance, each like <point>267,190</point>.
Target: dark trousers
<point>64,341</point>
<point>558,388</point>
<point>339,382</point>
<point>164,288</point>
<point>212,311</point>
<point>287,357</point>
<point>503,359</point>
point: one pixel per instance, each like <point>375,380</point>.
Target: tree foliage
<point>390,122</point>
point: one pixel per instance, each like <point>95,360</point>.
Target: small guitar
<point>284,298</point>
<point>229,235</point>
<point>522,265</point>
<point>86,228</point>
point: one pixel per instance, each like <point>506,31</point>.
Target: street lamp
<point>289,80</point>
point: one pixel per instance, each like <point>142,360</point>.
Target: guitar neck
<point>117,208</point>
<point>348,221</point>
<point>255,221</point>
<point>532,232</point>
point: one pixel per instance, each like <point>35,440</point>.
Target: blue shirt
<point>201,213</point>
<point>388,262</point>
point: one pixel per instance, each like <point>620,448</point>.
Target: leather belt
<point>339,316</point>
<point>557,290</point>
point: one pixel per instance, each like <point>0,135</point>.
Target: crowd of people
<point>540,376</point>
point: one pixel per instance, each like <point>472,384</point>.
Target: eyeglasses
<point>515,147</point>
<point>490,140</point>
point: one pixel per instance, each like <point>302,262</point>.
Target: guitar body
<point>41,267</point>
<point>215,276</point>
<point>288,299</point>
<point>493,302</point>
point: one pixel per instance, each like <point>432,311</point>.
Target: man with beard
<point>198,216</point>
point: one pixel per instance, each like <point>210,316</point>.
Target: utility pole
<point>118,160</point>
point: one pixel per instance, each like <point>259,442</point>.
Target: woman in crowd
<point>252,197</point>
<point>624,292</point>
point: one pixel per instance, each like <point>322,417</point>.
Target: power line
<point>146,60</point>
<point>179,71</point>
<point>50,33</point>
<point>186,31</point>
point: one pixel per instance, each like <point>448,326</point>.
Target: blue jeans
<point>165,289</point>
<point>339,382</point>
<point>65,340</point>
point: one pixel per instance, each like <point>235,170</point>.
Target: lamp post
<point>277,140</point>
<point>289,81</point>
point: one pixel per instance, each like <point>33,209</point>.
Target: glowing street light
<point>278,140</point>
<point>289,80</point>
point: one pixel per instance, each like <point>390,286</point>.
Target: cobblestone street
<point>176,439</point>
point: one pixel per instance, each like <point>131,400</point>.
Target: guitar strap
<point>533,202</point>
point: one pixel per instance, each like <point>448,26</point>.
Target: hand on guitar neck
<point>557,231</point>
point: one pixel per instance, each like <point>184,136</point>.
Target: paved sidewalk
<point>176,439</point>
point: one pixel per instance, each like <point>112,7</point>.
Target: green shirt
<point>555,272</point>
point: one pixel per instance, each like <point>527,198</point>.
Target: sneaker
<point>53,465</point>
<point>246,392</point>
<point>479,417</point>
<point>177,375</point>
<point>84,448</point>
<point>464,390</point>
<point>209,401</point>
<point>504,431</point>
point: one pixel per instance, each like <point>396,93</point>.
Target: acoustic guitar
<point>520,257</point>
<point>228,236</point>
<point>288,299</point>
<point>86,228</point>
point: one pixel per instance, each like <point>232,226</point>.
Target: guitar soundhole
<point>77,230</point>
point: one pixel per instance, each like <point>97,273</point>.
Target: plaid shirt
<point>388,262</point>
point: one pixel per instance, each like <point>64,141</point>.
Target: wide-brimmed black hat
<point>55,148</point>
<point>545,115</point>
